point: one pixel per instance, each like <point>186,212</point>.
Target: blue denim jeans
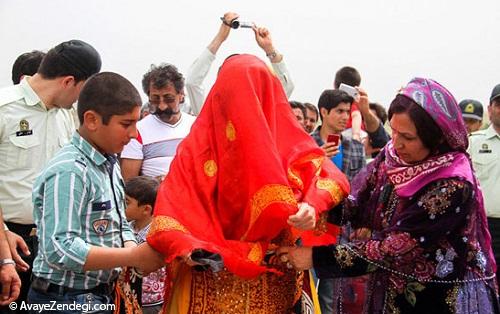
<point>325,295</point>
<point>73,302</point>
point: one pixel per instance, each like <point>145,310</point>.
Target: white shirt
<point>30,135</point>
<point>157,143</point>
<point>199,70</point>
<point>484,150</point>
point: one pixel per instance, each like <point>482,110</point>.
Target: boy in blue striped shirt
<point>79,204</point>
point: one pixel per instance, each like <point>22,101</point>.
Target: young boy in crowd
<point>79,205</point>
<point>140,193</point>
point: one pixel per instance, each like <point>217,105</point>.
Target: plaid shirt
<point>353,159</point>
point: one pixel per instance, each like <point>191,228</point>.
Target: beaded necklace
<point>401,274</point>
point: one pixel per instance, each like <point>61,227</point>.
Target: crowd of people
<point>243,200</point>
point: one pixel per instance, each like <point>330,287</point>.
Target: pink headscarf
<point>408,179</point>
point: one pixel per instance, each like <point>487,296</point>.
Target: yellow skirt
<point>205,292</point>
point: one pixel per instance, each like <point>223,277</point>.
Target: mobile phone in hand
<point>351,91</point>
<point>333,138</point>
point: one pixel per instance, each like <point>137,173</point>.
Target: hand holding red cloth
<point>239,174</point>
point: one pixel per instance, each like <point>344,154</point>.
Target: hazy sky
<point>389,42</point>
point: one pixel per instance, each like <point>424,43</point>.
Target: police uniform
<point>484,150</point>
<point>30,135</point>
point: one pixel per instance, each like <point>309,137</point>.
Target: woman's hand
<point>304,218</point>
<point>299,258</point>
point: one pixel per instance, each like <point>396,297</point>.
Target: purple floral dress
<point>420,229</point>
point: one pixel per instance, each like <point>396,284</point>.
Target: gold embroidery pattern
<point>331,187</point>
<point>255,254</point>
<point>267,195</point>
<point>165,223</point>
<point>210,168</point>
<point>343,257</point>
<point>230,131</point>
<point>391,302</point>
<point>224,292</point>
<point>294,176</point>
<point>451,298</point>
<point>295,179</point>
<point>438,199</point>
<point>317,162</point>
<point>124,290</point>
<point>321,226</point>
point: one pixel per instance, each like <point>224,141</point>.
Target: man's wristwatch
<point>7,261</point>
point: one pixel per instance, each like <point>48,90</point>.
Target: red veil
<point>240,172</point>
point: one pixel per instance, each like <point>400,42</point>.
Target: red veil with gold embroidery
<point>240,172</point>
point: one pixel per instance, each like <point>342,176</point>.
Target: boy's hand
<point>130,244</point>
<point>146,258</point>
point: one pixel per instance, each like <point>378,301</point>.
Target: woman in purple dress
<point>418,210</point>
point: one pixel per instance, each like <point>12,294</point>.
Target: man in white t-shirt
<point>160,132</point>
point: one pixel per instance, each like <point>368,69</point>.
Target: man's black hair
<point>331,98</point>
<point>71,58</point>
<point>295,104</point>
<point>162,75</point>
<point>26,64</point>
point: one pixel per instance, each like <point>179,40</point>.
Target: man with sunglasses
<point>160,132</point>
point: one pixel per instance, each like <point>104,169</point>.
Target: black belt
<point>20,229</point>
<point>43,285</point>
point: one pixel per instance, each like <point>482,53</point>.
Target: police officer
<point>33,126</point>
<point>472,113</point>
<point>484,150</point>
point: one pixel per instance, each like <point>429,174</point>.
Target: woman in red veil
<point>232,196</point>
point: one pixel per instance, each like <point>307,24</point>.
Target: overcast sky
<point>455,42</point>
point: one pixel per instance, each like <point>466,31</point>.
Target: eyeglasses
<point>168,99</point>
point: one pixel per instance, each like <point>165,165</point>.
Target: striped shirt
<point>79,201</point>
<point>157,143</point>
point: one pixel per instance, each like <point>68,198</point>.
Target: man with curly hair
<point>160,132</point>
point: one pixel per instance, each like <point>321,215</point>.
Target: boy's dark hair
<point>295,104</point>
<point>427,130</point>
<point>162,75</point>
<point>143,189</point>
<point>331,98</point>
<point>380,111</point>
<point>74,57</point>
<point>108,94</point>
<point>26,64</point>
<point>347,75</point>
